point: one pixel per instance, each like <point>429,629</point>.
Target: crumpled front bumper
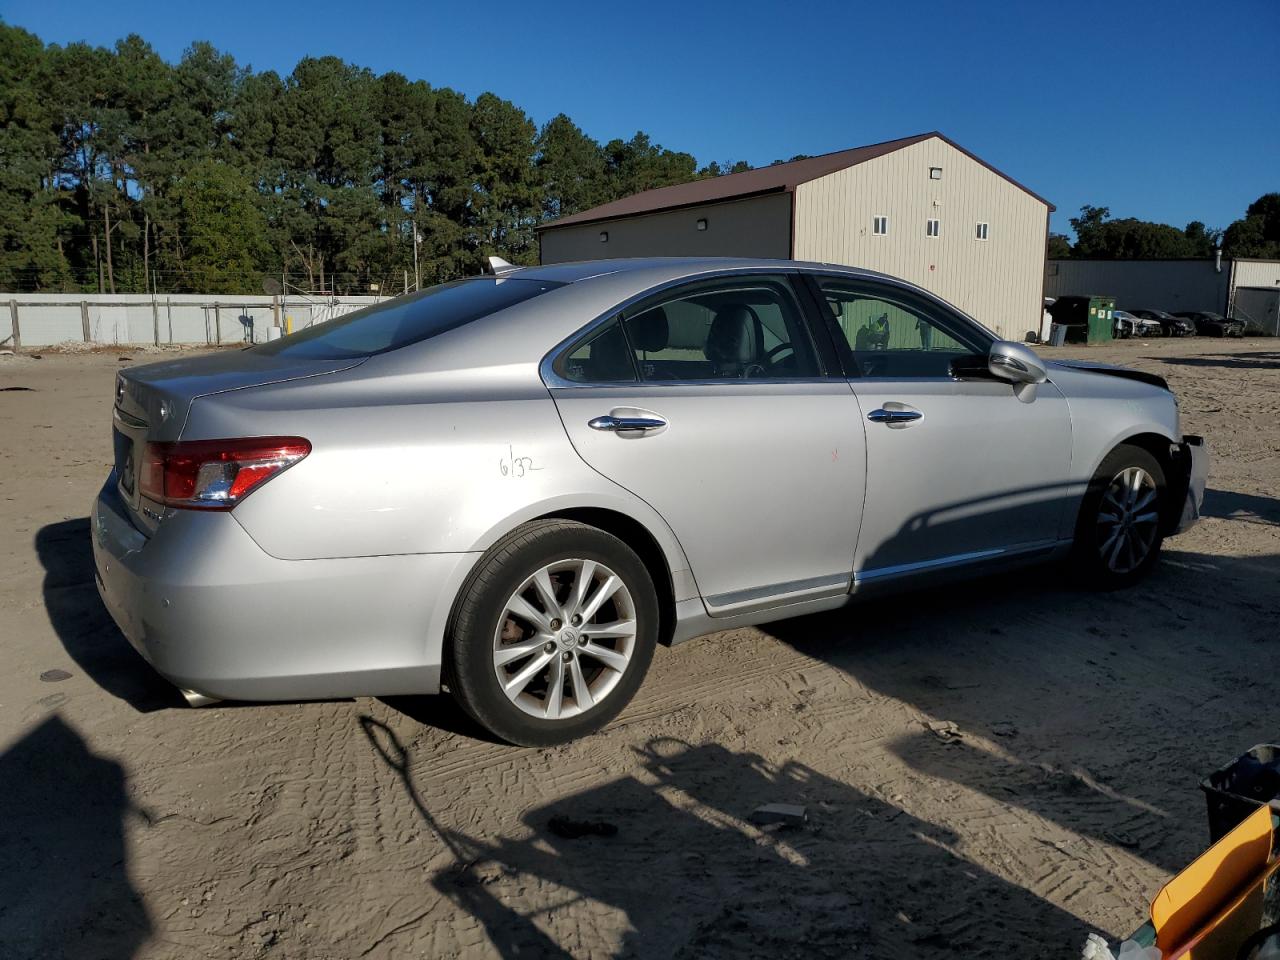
<point>1186,484</point>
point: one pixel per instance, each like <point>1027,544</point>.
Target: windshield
<point>405,320</point>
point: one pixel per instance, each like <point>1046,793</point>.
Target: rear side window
<point>405,320</point>
<point>603,358</point>
<point>740,328</point>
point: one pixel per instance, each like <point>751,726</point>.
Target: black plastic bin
<point>1240,787</point>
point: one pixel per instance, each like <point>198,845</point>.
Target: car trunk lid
<point>152,402</point>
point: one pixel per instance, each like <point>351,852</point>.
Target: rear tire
<point>1120,531</point>
<point>552,634</point>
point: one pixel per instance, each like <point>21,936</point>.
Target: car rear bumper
<point>215,614</point>
<point>1186,485</point>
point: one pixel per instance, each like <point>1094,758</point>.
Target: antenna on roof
<point>498,266</point>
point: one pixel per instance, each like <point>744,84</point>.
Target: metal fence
<point>45,319</point>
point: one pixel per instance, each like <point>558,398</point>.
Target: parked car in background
<point>1171,326</point>
<point>1139,326</point>
<point>1210,324</point>
<point>515,486</point>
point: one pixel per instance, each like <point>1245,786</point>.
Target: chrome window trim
<point>553,381</point>
<point>559,383</point>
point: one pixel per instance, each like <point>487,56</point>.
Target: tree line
<point>1256,234</point>
<point>121,172</point>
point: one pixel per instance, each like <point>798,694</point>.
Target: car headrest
<point>649,330</point>
<point>732,337</point>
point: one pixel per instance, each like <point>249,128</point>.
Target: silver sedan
<point>515,486</point>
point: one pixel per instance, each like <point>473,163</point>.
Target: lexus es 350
<point>515,486</point>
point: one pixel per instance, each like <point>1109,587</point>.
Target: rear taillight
<point>215,474</point>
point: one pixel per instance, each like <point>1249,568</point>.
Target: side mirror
<point>1015,361</point>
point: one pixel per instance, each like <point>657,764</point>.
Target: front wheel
<point>1119,535</point>
<point>553,633</point>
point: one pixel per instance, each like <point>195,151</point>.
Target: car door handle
<point>894,416</point>
<point>616,424</point>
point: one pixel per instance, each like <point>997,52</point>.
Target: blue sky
<point>1159,109</point>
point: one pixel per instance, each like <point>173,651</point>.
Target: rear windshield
<point>405,320</point>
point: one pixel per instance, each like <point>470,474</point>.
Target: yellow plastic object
<point>1184,909</point>
<point>288,324</point>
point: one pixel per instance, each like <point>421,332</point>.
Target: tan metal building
<point>921,208</point>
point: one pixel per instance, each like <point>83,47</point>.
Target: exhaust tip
<point>198,699</point>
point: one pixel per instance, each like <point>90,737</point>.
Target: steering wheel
<point>763,366</point>
<point>774,351</point>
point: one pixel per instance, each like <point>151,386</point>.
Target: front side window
<point>931,228</point>
<point>892,335</point>
<point>880,226</point>
<point>982,231</point>
<point>410,319</point>
<point>740,328</point>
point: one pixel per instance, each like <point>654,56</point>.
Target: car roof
<point>672,268</point>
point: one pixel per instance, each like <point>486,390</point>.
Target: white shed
<point>921,208</point>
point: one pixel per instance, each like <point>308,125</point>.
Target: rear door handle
<point>619,424</point>
<point>894,416</point>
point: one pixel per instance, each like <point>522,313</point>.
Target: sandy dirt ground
<point>133,826</point>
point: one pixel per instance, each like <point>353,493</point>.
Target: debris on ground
<point>53,676</point>
<point>571,829</point>
<point>1096,948</point>
<point>784,814</point>
<point>1121,839</point>
<point>944,730</point>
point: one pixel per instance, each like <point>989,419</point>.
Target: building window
<point>931,228</point>
<point>935,173</point>
<point>982,231</point>
<point>880,226</point>
<point>702,223</point>
<point>604,236</point>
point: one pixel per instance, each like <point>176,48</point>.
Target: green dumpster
<point>1087,319</point>
<point>1102,312</point>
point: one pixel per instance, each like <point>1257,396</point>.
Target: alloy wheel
<point>1128,520</point>
<point>565,639</point>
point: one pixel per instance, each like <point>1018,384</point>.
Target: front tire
<point>553,633</point>
<point>1119,533</point>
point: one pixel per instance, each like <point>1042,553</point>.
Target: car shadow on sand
<point>671,847</point>
<point>442,712</point>
<point>1244,507</point>
<point>1086,717</point>
<point>1244,360</point>
<point>1075,707</point>
<point>83,625</point>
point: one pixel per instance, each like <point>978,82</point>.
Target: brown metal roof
<point>777,178</point>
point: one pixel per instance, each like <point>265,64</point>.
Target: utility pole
<point>417,276</point>
<point>406,281</point>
